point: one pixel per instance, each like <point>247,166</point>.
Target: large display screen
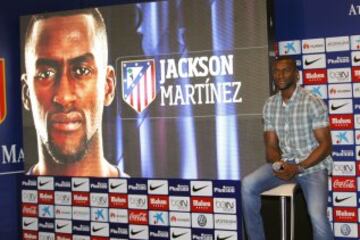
<point>163,89</point>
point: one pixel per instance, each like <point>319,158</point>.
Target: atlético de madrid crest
<point>138,83</point>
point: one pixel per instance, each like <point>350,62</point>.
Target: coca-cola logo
<point>344,184</point>
<point>138,217</point>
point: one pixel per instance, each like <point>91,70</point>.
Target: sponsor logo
<point>289,47</point>
<point>318,90</point>
<point>180,219</point>
<point>179,188</point>
<point>138,83</point>
<point>117,200</point>
<point>180,234</point>
<point>348,230</point>
<point>62,185</point>
<point>46,236</point>
<point>99,200</point>
<point>344,214</point>
<point>315,76</point>
<point>29,196</point>
<point>99,214</point>
<point>159,234</point>
<point>45,183</point>
<point>100,229</point>
<point>80,184</point>
<point>30,223</point>
<point>158,218</point>
<point>355,57</point>
<point>342,137</point>
<point>355,42</point>
<point>62,198</point>
<point>340,90</point>
<point>137,187</point>
<point>314,61</point>
<point>46,211</point>
<point>344,184</point>
<point>45,225</point>
<point>338,75</point>
<point>338,60</point>
<point>228,222</point>
<point>137,201</point>
<point>99,186</point>
<point>334,44</point>
<point>138,217</point>
<point>139,232</point>
<point>158,187</point>
<point>355,72</point>
<point>202,204</point>
<point>225,235</point>
<point>46,197</point>
<point>225,205</point>
<point>118,229</point>
<point>81,213</point>
<point>313,45</point>
<point>118,185</point>
<point>63,226</point>
<point>81,228</point>
<point>29,210</point>
<point>344,199</point>
<point>63,212</point>
<point>118,215</point>
<point>179,203</point>
<point>81,199</point>
<point>340,106</point>
<point>30,235</point>
<point>344,168</point>
<point>202,220</point>
<point>29,183</point>
<point>201,188</point>
<point>159,202</point>
<point>341,121</point>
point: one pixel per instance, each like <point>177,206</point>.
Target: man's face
<point>66,77</point>
<point>284,74</point>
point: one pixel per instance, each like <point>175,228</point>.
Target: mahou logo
<point>344,184</point>
<point>317,76</point>
<point>2,91</point>
<point>345,214</point>
<point>341,121</point>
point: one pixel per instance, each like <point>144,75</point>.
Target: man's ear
<point>25,92</point>
<point>110,85</point>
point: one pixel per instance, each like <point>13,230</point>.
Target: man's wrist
<point>300,168</point>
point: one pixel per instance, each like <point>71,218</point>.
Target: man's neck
<point>287,93</point>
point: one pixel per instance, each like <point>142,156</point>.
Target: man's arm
<point>273,152</point>
<point>323,137</point>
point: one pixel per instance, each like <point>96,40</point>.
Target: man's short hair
<point>286,58</point>
<point>100,27</point>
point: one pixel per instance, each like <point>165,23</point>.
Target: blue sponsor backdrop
<point>11,159</point>
<point>324,35</point>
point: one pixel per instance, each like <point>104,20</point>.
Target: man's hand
<point>288,171</point>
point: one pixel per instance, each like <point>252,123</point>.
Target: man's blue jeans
<point>314,187</point>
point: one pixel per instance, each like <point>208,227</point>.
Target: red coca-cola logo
<point>138,217</point>
<point>344,184</point>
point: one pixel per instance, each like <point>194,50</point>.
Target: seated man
<point>298,147</point>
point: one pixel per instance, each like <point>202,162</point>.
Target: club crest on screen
<point>2,91</point>
<point>138,83</point>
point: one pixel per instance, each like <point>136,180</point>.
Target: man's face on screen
<point>66,80</point>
